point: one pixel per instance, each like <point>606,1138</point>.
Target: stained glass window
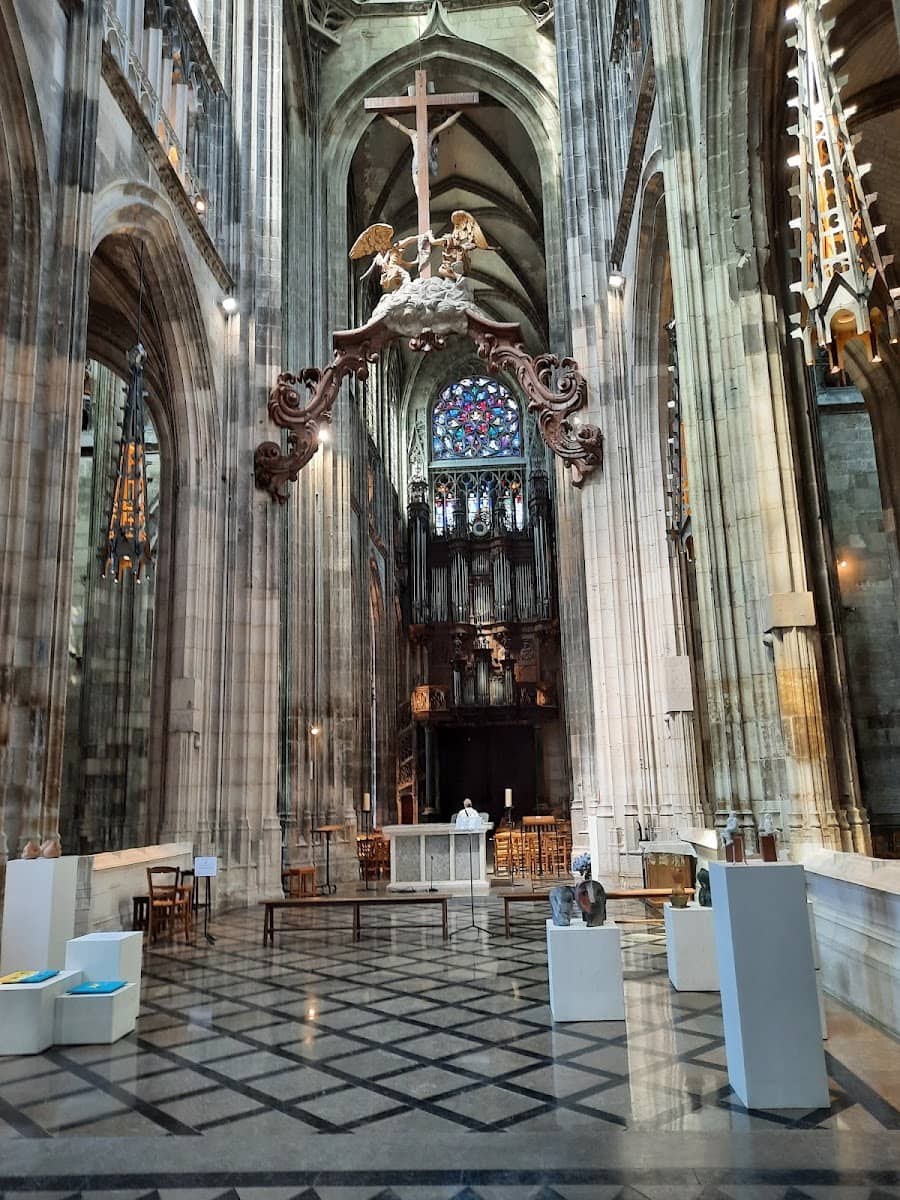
<point>476,418</point>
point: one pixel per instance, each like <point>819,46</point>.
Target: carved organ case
<point>480,596</point>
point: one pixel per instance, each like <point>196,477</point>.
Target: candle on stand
<point>367,802</point>
<point>507,798</point>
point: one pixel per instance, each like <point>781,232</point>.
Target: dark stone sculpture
<point>591,899</point>
<point>704,895</point>
<point>561,901</point>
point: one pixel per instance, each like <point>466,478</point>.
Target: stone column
<point>766,724</point>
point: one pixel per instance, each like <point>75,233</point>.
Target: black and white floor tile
<point>402,1040</point>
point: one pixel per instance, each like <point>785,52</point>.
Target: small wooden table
<point>357,902</point>
<point>536,897</point>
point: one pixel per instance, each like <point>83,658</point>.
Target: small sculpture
<point>590,896</point>
<point>31,849</point>
<point>731,828</point>
<point>704,896</point>
<point>457,245</point>
<point>733,839</point>
<point>679,897</point>
<point>768,846</point>
<point>379,240</point>
<point>51,847</point>
<point>561,901</point>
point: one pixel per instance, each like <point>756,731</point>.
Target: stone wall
<point>869,598</point>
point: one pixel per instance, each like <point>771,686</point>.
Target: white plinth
<point>103,956</point>
<point>27,1013</point>
<point>422,853</point>
<point>96,1020</point>
<point>691,949</point>
<point>585,969</point>
<point>38,913</point>
<point>770,1009</point>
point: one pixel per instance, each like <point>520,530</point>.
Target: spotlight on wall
<point>315,730</point>
<point>616,281</point>
<point>229,306</point>
<point>324,434</point>
<point>200,206</point>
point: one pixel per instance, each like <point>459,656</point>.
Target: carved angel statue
<point>379,240</point>
<point>457,244</point>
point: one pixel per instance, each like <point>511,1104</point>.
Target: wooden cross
<point>420,102</point>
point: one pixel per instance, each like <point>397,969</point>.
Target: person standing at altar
<point>468,816</point>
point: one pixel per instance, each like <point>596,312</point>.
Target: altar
<point>422,855</point>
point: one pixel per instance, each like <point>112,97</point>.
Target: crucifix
<point>419,101</point>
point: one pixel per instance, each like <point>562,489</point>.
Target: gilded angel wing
<point>374,240</point>
<point>467,229</point>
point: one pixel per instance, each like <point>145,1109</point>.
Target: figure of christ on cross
<point>423,140</point>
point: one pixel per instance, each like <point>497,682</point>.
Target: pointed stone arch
<point>183,402</point>
<point>25,215</point>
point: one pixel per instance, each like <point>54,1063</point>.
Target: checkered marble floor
<point>406,1042</point>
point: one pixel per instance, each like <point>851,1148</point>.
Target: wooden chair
<point>366,853</point>
<point>168,903</point>
<point>383,856</point>
<point>300,881</point>
<point>503,856</point>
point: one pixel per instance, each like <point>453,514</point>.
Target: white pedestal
<point>585,968</point>
<point>38,913</point>
<point>96,1020</point>
<point>820,991</point>
<point>27,1013</point>
<point>103,956</point>
<point>770,1009</point>
<point>691,949</point>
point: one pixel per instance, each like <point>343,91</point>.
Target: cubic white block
<point>770,1009</point>
<point>585,969</point>
<point>96,1020</point>
<point>27,1013</point>
<point>38,913</point>
<point>103,956</point>
<point>691,949</point>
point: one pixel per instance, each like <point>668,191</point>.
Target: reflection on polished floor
<point>410,1046</point>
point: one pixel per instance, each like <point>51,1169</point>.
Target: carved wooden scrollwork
<point>555,390</point>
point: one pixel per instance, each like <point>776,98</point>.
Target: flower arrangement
<point>582,864</point>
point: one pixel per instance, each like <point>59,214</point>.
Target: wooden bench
<point>509,897</point>
<point>357,903</point>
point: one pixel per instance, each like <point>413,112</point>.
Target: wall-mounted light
<point>229,306</point>
<point>200,206</point>
<point>324,434</point>
<point>616,281</point>
<point>315,730</point>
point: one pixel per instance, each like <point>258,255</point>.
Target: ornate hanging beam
<point>426,311</point>
<point>555,390</point>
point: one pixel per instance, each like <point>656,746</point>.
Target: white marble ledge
<point>668,847</point>
<point>701,839</point>
<point>882,874</point>
<point>137,856</point>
